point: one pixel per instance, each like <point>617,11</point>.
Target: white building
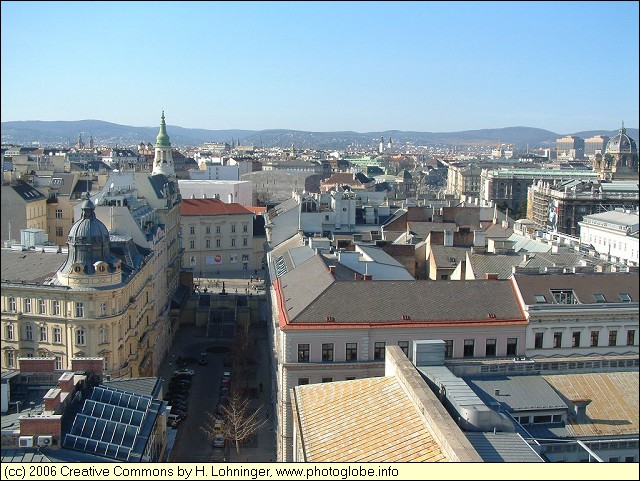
<point>579,314</point>
<point>238,191</point>
<point>613,233</point>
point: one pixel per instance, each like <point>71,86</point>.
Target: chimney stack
<point>580,408</point>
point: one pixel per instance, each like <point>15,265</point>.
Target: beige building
<point>23,207</point>
<point>464,180</point>
<point>218,237</point>
<point>111,295</point>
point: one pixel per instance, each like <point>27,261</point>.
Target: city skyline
<point>324,66</point>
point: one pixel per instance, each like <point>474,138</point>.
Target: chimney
<point>367,277</point>
<point>332,269</point>
<point>52,399</point>
<point>496,392</point>
<point>491,276</point>
<point>66,382</point>
<point>580,408</point>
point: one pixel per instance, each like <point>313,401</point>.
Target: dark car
<point>204,359</point>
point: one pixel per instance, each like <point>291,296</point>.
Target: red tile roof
<point>211,207</point>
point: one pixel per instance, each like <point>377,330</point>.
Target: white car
<point>184,371</point>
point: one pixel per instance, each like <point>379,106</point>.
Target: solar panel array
<point>108,424</point>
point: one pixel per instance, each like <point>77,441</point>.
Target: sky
<point>324,66</point>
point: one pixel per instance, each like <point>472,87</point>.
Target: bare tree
<point>240,423</point>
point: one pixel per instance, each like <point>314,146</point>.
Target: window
<point>217,229</point>
<point>57,335</point>
<point>58,213</point>
<point>469,347</point>
<point>303,381</point>
<point>103,308</point>
<point>614,459</point>
<point>564,296</point>
<point>444,277</point>
<point>56,308</point>
<point>43,333</point>
<point>378,351</point>
<point>217,242</point>
<point>327,379</point>
<point>28,331</point>
<point>524,419</point>
<point>105,363</point>
<point>12,304</point>
<point>594,338</point>
<point>631,337</point>
<point>629,459</point>
<point>349,378</point>
<point>613,338</point>
<point>233,258</point>
<point>448,348</point>
<point>233,228</point>
<point>404,345</point>
<point>599,298</point>
<point>540,299</point>
<point>59,232</point>
<point>490,348</point>
<point>557,340</point>
<point>624,297</point>
<point>79,309</point>
<point>192,230</point>
<point>245,228</point>
<point>512,346</point>
<point>352,351</point>
<point>104,338</point>
<point>207,243</point>
<point>10,358</point>
<point>80,337</point>
<point>207,229</point>
<point>233,242</point>
<point>327,352</point>
<point>58,362</point>
<point>245,242</point>
<point>542,419</point>
<point>575,339</point>
<point>192,244</point>
<point>42,307</point>
<point>9,332</point>
<point>303,352</point>
<point>27,305</point>
<point>538,340</point>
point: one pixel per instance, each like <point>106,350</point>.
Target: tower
<point>381,146</point>
<point>163,159</point>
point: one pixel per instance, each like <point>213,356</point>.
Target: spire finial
<point>622,129</point>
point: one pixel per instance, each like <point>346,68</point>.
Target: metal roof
<point>517,393</point>
<point>503,447</point>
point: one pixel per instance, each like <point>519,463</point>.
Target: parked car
<point>185,361</point>
<point>226,375</point>
<point>218,441</point>
<point>204,359</point>
<point>224,391</point>
<point>183,372</point>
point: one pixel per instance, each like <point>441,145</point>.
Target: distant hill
<point>49,133</point>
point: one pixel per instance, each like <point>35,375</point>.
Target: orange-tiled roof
<point>613,410</point>
<point>366,420</point>
<point>211,207</point>
<point>256,210</point>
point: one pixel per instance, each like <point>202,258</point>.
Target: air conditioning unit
<point>25,441</point>
<point>45,440</point>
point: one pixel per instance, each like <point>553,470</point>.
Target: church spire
<point>163,159</point>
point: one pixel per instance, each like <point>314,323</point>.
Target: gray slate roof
<point>584,286</point>
<point>30,266</point>
<point>311,296</point>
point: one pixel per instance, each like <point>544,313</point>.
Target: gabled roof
<point>448,257</point>
<point>383,303</point>
<point>27,192</point>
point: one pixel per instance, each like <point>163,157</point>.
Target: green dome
<point>162,140</point>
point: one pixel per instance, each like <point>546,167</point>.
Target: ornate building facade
<point>110,295</point>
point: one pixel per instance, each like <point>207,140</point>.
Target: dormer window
<point>624,297</point>
<point>564,296</point>
<point>599,298</point>
<point>540,299</point>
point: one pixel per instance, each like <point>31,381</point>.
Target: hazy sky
<point>323,66</point>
